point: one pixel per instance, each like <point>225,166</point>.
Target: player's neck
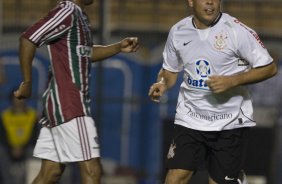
<point>79,3</point>
<point>204,25</point>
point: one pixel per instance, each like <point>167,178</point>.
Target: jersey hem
<point>252,124</point>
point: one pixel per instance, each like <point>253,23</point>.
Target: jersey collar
<point>212,24</point>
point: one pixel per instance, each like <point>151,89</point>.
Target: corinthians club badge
<point>220,42</point>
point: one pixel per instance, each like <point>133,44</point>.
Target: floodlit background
<point>134,132</point>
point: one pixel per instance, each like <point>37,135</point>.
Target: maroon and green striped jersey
<point>67,34</point>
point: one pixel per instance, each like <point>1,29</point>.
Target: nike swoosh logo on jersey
<point>186,43</point>
<point>229,179</point>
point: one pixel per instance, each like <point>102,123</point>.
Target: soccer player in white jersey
<point>219,55</point>
<point>68,133</point>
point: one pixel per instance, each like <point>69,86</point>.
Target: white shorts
<point>73,141</point>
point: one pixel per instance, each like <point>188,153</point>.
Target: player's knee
<point>92,169</point>
<point>238,181</point>
<point>50,172</point>
<point>55,177</point>
<point>235,181</point>
<point>178,176</point>
<point>171,180</point>
<point>95,171</point>
<point>52,176</point>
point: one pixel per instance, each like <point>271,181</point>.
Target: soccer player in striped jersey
<point>218,55</point>
<point>68,133</point>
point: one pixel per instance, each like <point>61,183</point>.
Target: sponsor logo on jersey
<point>220,41</point>
<point>251,31</point>
<point>203,70</point>
<point>201,83</point>
<point>171,152</point>
<point>84,51</point>
<point>207,116</point>
<point>212,117</point>
<point>96,140</point>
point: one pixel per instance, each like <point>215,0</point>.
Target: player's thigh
<point>76,140</point>
<point>227,157</point>
<point>179,176</point>
<point>72,141</point>
<point>186,150</point>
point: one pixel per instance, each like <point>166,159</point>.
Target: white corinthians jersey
<point>226,48</point>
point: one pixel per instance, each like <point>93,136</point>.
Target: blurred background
<point>134,132</point>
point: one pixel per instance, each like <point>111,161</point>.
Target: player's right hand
<point>156,91</point>
<point>24,90</point>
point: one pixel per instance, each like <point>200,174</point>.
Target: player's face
<point>205,11</point>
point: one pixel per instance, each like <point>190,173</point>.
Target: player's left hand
<point>24,90</point>
<point>130,44</point>
<point>218,84</point>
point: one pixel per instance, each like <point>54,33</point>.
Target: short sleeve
<point>171,60</point>
<point>56,23</point>
<point>251,48</point>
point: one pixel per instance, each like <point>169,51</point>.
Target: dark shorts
<point>221,152</point>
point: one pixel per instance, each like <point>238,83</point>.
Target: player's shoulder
<point>66,5</point>
<point>234,23</point>
<point>185,22</point>
<point>65,8</point>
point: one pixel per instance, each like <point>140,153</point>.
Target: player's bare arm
<point>165,80</point>
<point>27,50</point>
<point>222,83</point>
<point>126,45</point>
